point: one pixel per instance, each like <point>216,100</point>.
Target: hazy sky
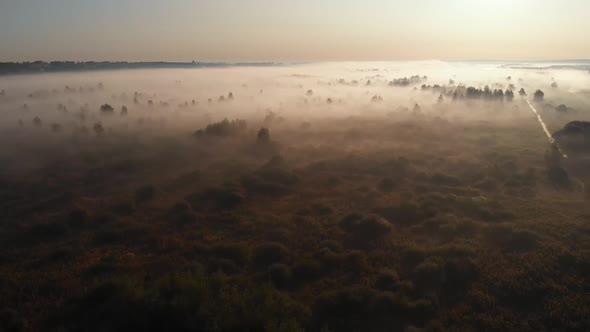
<point>296,30</point>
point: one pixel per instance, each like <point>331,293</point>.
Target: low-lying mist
<point>327,196</point>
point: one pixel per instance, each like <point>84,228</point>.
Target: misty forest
<point>381,196</point>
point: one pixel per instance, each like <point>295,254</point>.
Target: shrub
<point>511,239</point>
<point>366,227</point>
<point>237,253</point>
<point>123,209</point>
<point>280,275</point>
<point>223,129</point>
<point>223,265</point>
<point>187,301</point>
<point>263,136</point>
<point>386,185</point>
<point>307,271</point>
<point>181,213</point>
<point>316,209</point>
<point>77,217</point>
<point>365,309</point>
<point>144,194</point>
<point>50,230</point>
<point>259,186</point>
<point>106,109</point>
<point>408,212</point>
<point>387,281</point>
<point>269,253</point>
<point>215,199</point>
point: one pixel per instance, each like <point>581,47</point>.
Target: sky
<point>295,30</point>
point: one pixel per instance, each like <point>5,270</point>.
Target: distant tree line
<point>405,81</point>
<point>470,92</point>
<point>60,66</point>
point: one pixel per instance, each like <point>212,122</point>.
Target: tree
<point>106,108</point>
<point>416,109</point>
<point>509,95</point>
<point>521,92</point>
<point>539,95</point>
<point>263,135</point>
<point>98,128</point>
<point>124,110</point>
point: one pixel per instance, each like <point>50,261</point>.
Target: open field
<point>318,197</point>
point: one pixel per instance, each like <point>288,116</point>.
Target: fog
<point>280,89</point>
<point>401,192</point>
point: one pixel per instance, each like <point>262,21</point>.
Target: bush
<point>280,275</point>
<point>49,230</point>
<point>187,301</point>
<point>386,185</point>
<point>181,213</point>
<point>123,208</point>
<point>223,129</point>
<point>387,281</point>
<point>106,108</point>
<point>258,186</point>
<point>365,227</point>
<point>144,194</point>
<point>263,136</point>
<point>215,199</point>
<point>236,253</point>
<point>77,217</point>
<point>406,213</point>
<point>317,210</point>
<point>365,309</point>
<point>307,271</point>
<point>269,253</point>
<point>511,239</point>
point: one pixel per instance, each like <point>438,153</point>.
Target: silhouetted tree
<point>539,95</point>
<point>106,108</point>
<point>37,122</point>
<point>124,110</point>
<point>521,92</point>
<point>263,135</point>
<point>98,128</point>
<point>509,95</point>
<point>561,108</point>
<point>417,108</point>
<point>376,99</point>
